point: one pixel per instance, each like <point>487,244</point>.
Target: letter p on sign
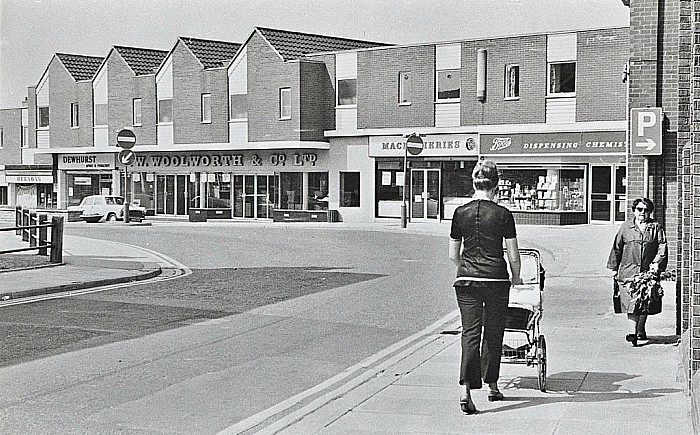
<point>645,131</point>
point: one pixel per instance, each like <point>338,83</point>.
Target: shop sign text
<point>86,161</point>
<point>223,160</point>
<point>564,143</point>
<point>433,145</point>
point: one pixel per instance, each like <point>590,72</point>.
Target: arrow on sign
<point>649,144</point>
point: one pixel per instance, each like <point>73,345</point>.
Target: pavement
<point>596,382</point>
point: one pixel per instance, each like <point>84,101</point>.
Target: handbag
<point>617,305</point>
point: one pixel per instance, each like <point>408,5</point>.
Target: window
<point>349,189</point>
<point>317,192</point>
<point>347,92</point>
<point>206,108</point>
<point>405,88</point>
<point>285,103</point>
<point>165,110</point>
<point>239,106</point>
<point>542,188</point>
<point>101,117</point>
<point>3,195</point>
<point>448,85</point>
<point>562,78</point>
<point>2,137</point>
<point>25,136</point>
<point>74,115</point>
<point>512,81</point>
<point>291,184</point>
<point>136,112</point>
<point>43,117</point>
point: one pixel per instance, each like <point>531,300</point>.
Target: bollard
<point>25,223</point>
<point>56,240</point>
<point>18,219</point>
<point>33,233</point>
<point>42,234</point>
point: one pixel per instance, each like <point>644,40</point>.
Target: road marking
<point>420,338</point>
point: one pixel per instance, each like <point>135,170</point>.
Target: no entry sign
<point>414,144</point>
<point>126,139</point>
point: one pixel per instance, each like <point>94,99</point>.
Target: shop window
<point>46,198</point>
<point>543,188</point>
<point>136,112</point>
<point>562,78</point>
<point>291,188</point>
<point>512,81</point>
<point>218,190</point>
<point>239,106</point>
<point>349,189</point>
<point>74,115</point>
<point>285,103</point>
<point>165,111</point>
<point>101,114</point>
<point>43,117</point>
<point>143,191</point>
<point>389,187</point>
<point>317,192</point>
<point>206,108</point>
<point>3,195</point>
<point>405,88</point>
<point>448,85</point>
<point>347,92</point>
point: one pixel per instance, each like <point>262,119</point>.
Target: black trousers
<point>483,306</point>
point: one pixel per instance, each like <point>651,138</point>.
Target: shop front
<point>81,175</point>
<point>439,178</point>
<point>29,186</point>
<point>227,184</point>
<point>560,178</point>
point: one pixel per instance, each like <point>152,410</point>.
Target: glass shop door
<point>425,194</point>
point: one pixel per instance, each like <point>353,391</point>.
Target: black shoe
<point>632,338</point>
<point>467,405</point>
<point>495,396</point>
<point>642,337</point>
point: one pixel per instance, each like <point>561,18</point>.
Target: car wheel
<point>112,217</point>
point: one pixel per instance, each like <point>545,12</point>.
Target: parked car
<point>95,208</point>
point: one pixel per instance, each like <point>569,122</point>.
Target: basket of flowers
<point>646,292</point>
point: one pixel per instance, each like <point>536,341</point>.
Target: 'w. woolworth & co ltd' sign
<point>223,160</point>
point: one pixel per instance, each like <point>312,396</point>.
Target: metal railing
<point>33,228</point>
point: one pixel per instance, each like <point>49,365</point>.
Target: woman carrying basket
<point>640,246</point>
<point>479,229</point>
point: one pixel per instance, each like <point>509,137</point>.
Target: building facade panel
<point>316,96</point>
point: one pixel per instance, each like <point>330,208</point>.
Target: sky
<point>31,31</point>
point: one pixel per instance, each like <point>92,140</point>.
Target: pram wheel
<point>542,363</point>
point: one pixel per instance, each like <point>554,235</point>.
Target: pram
<point>523,342</point>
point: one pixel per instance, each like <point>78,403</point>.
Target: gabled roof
<point>211,54</point>
<point>142,61</point>
<point>295,45</point>
<point>79,66</point>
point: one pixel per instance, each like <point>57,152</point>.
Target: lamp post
<point>414,145</point>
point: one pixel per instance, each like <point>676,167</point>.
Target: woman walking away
<point>639,246</point>
<point>479,229</point>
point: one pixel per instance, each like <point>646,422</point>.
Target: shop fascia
<point>434,145</point>
<point>223,160</point>
<point>598,142</point>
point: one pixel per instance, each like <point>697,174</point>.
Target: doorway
<point>608,193</point>
<point>425,194</point>
<point>254,196</point>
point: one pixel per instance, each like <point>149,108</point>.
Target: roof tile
<point>79,66</point>
<point>212,54</point>
<point>142,61</point>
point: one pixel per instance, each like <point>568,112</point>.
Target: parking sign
<point>645,131</point>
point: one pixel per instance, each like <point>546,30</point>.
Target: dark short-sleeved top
<point>482,226</point>
<point>633,250</point>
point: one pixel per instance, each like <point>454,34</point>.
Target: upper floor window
<point>448,85</point>
<point>405,87</point>
<point>43,117</point>
<point>239,106</point>
<point>74,115</point>
<point>512,81</point>
<point>165,110</point>
<point>136,112</point>
<point>101,116</point>
<point>2,138</point>
<point>562,78</point>
<point>25,136</point>
<point>206,108</point>
<point>285,103</point>
<point>347,92</point>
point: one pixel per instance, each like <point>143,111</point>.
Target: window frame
<point>40,117</point>
<point>353,98</point>
<point>160,111</point>
<point>205,108</point>
<point>508,85</point>
<point>136,113</point>
<point>285,103</point>
<point>437,86</point>
<point>405,92</point>
<point>550,84</point>
<point>74,115</point>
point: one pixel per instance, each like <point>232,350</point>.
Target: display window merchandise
<point>546,188</point>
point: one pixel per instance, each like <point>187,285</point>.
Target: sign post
<point>126,139</point>
<point>645,136</point>
<point>414,145</point>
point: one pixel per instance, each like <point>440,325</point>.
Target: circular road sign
<point>126,139</point>
<point>414,144</point>
<point>127,157</point>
